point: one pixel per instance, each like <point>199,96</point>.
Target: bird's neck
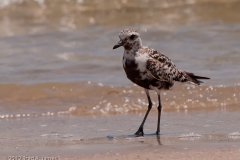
<point>137,45</point>
<point>132,52</point>
<point>133,49</point>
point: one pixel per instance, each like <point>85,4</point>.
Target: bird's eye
<point>132,37</point>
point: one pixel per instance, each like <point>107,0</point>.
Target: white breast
<point>141,61</point>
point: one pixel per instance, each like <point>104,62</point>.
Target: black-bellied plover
<point>150,69</point>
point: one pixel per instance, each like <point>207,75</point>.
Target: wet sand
<point>191,151</point>
<point>190,135</point>
<point>217,149</point>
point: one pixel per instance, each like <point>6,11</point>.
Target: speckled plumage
<point>150,69</point>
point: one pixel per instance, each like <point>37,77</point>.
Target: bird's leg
<point>159,113</point>
<point>140,130</point>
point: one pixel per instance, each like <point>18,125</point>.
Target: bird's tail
<point>194,78</point>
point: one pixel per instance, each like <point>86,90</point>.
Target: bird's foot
<point>139,132</point>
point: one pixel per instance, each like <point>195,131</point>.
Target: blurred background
<point>57,54</point>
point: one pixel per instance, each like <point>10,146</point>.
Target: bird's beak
<point>119,44</point>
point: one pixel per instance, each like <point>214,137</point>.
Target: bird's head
<point>129,39</point>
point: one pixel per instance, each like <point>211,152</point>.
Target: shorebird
<point>151,70</point>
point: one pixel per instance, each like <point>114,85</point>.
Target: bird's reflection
<point>158,139</point>
<point>152,135</point>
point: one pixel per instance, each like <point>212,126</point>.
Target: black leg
<point>159,113</point>
<point>140,130</point>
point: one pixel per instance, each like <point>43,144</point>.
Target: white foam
<point>67,136</point>
<point>189,135</point>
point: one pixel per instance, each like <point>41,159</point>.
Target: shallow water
<point>87,55</point>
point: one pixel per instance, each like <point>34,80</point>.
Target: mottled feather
<point>162,68</point>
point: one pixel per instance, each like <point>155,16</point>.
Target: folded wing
<point>163,69</point>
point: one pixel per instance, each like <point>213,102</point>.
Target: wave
<point>34,16</point>
<point>86,98</point>
<point>104,3</point>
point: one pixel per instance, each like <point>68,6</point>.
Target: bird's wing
<point>160,57</point>
<point>163,69</point>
